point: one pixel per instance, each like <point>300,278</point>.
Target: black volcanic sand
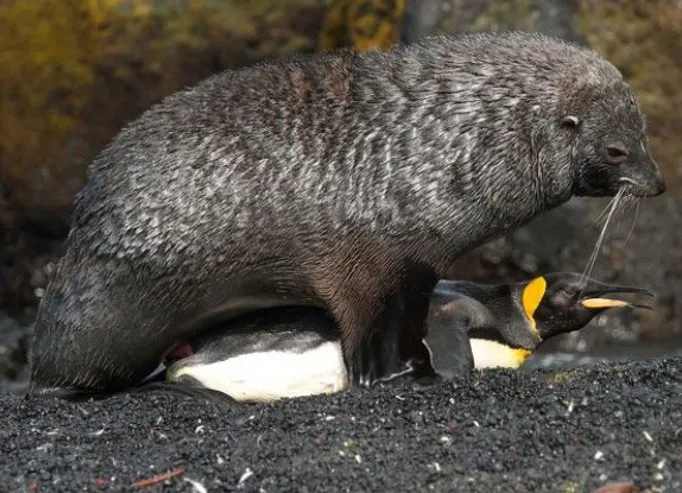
<point>538,431</point>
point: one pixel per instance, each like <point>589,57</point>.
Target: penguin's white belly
<point>271,375</point>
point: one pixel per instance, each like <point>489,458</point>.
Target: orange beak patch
<point>597,303</point>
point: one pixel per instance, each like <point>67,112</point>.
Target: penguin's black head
<point>571,301</point>
<point>509,322</point>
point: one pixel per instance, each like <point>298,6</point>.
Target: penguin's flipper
<point>450,352</point>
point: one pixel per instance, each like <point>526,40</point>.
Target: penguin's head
<point>553,304</point>
<point>531,312</point>
<point>571,301</point>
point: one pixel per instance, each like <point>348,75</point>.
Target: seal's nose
<point>659,185</point>
<point>646,178</point>
<point>653,181</point>
<point>653,186</point>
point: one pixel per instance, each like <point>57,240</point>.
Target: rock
<point>13,353</point>
<point>624,487</point>
<point>60,104</point>
<point>364,24</point>
<point>554,17</point>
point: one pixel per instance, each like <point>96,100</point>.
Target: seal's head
<point>548,118</point>
<point>608,129</point>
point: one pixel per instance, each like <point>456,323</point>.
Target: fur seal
<point>294,352</point>
<point>345,181</point>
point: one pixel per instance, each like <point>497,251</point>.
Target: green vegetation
<point>362,24</point>
<point>74,71</point>
<point>501,14</point>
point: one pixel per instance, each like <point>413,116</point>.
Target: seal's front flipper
<point>374,360</point>
<point>361,365</point>
<point>376,356</point>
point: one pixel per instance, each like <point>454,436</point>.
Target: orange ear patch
<point>531,298</point>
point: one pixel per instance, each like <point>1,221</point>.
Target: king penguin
<point>295,351</point>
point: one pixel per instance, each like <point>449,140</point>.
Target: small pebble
<point>620,487</point>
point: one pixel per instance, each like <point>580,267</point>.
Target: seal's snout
<point>645,187</point>
<point>660,185</point>
<point>645,178</point>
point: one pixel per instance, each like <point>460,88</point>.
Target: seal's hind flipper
<point>211,396</point>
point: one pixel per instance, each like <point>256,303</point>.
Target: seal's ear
<point>571,121</point>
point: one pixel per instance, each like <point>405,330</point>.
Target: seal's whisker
<point>624,212</point>
<point>634,221</point>
<point>625,201</point>
<point>604,213</point>
<point>590,263</point>
<point>620,212</point>
<point>624,208</point>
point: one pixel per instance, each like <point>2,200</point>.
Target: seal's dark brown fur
<point>345,181</point>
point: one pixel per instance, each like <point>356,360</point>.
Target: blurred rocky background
<point>72,72</point>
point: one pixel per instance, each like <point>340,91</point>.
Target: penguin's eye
<point>567,294</point>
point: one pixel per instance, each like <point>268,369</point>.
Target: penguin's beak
<point>597,296</point>
<point>606,303</point>
<point>602,303</point>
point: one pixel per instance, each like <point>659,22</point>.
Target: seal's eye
<point>616,153</point>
